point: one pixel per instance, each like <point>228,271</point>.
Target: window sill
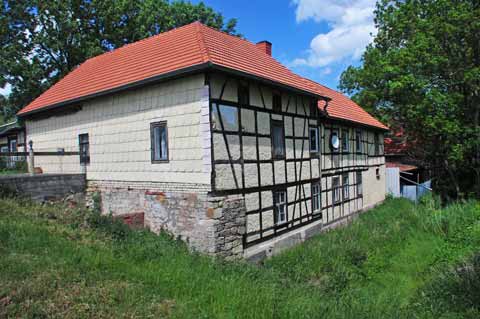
<point>160,161</point>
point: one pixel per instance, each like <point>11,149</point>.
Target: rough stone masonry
<point>211,225</point>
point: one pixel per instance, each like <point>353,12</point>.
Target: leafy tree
<point>423,73</point>
<point>42,40</point>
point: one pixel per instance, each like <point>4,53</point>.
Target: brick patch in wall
<point>133,220</point>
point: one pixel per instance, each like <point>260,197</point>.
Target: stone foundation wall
<point>229,213</point>
<point>211,225</point>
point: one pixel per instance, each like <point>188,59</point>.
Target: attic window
<point>243,94</point>
<point>377,144</point>
<point>277,103</point>
<point>358,141</point>
<point>345,140</point>
<point>314,143</point>
<point>314,108</point>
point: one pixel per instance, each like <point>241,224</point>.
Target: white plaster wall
<point>119,134</point>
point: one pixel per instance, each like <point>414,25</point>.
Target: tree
<point>42,40</point>
<point>422,73</point>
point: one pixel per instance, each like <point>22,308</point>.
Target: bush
<point>108,225</point>
<point>464,282</point>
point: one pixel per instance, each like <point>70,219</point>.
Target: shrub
<point>108,225</point>
<point>465,282</point>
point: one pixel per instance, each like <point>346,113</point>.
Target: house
<point>213,140</point>
<point>12,139</point>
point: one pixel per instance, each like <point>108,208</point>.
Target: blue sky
<point>315,38</point>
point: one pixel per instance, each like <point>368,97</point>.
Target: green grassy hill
<point>397,261</point>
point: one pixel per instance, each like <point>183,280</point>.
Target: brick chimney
<point>265,46</point>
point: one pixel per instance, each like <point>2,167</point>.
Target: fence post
<point>31,160</point>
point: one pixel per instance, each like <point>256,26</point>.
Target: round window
<point>334,141</point>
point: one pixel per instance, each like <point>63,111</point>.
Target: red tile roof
<point>191,46</point>
<point>402,167</point>
<point>341,107</point>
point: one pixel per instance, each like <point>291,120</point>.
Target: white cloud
<point>351,29</point>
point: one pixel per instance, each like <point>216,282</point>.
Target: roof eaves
<point>361,124</point>
<point>264,80</point>
<point>151,80</point>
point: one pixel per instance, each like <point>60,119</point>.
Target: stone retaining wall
<point>45,187</point>
<point>210,225</point>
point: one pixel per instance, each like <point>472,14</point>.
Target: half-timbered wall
<point>243,162</point>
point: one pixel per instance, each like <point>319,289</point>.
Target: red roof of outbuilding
<point>402,167</point>
<point>183,49</point>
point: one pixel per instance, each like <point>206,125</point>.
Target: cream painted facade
<point>119,135</point>
<point>205,165</point>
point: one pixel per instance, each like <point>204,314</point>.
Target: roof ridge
<point>226,33</point>
<point>126,45</point>
<point>201,42</point>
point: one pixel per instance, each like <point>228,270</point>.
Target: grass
<point>397,261</point>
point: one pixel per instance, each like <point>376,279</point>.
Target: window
<point>316,203</point>
<point>13,145</point>
<point>159,139</point>
<point>334,141</point>
<point>280,207</point>
<point>243,94</point>
<point>277,103</point>
<point>84,145</point>
<point>314,141</point>
<point>278,140</point>
<point>228,119</point>
<point>345,141</point>
<point>377,172</point>
<point>345,186</point>
<point>358,141</point>
<point>336,190</point>
<point>359,184</point>
<point>377,144</point>
<point>314,108</point>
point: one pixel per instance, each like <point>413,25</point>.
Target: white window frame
<point>346,133</point>
<point>316,198</point>
<point>358,141</point>
<point>280,206</point>
<point>163,149</point>
<point>345,186</point>
<point>359,184</point>
<point>84,148</point>
<point>336,193</point>
<point>376,142</point>
<point>314,129</point>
